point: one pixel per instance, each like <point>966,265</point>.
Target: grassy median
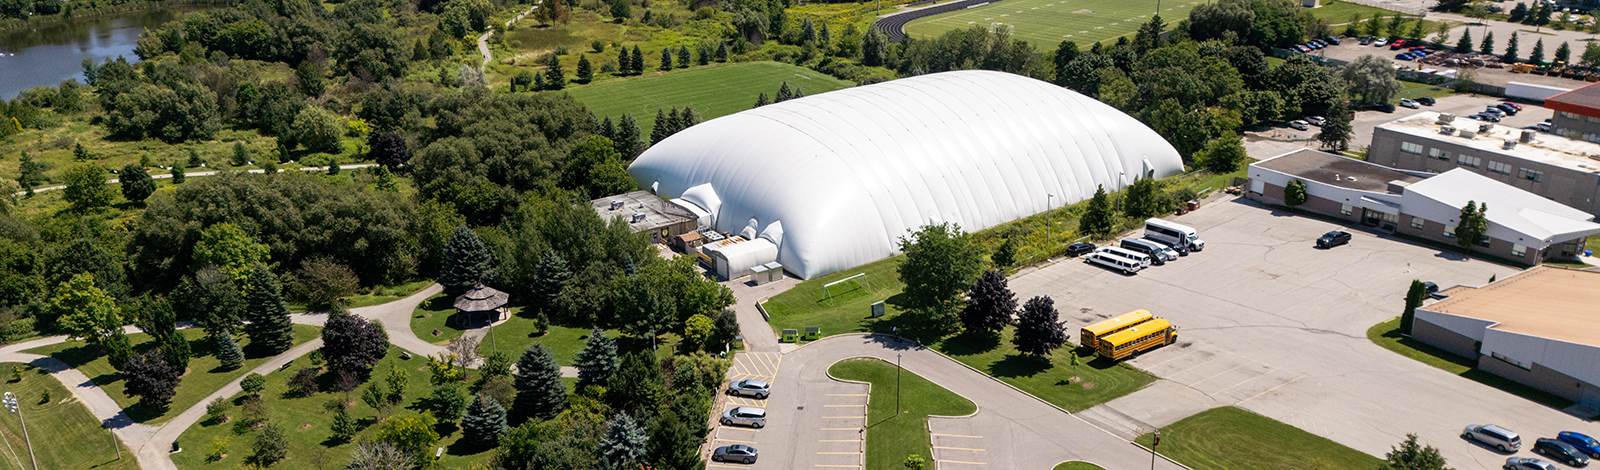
<point>890,437</point>
<point>1229,438</point>
<point>1078,466</point>
<point>63,432</point>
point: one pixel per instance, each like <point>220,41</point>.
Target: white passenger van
<point>1141,258</point>
<point>1173,234</point>
<point>1127,266</point>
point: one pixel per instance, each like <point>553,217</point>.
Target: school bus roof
<point>1130,318</point>
<point>1142,329</point>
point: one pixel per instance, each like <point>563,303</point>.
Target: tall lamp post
<point>11,404</point>
<point>897,374</point>
<point>1153,444</point>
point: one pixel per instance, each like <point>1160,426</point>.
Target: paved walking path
<point>201,173</point>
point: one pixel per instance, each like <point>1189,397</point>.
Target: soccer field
<point>713,91</point>
<point>1045,23</point>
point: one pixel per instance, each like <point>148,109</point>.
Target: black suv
<point>1077,249</point>
<point>1561,451</point>
<point>1333,239</point>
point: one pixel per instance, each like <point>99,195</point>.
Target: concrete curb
<point>866,414</point>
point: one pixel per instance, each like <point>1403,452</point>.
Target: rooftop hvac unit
<point>637,217</point>
<point>1447,117</point>
<point>1484,128</point>
<point>617,205</point>
<point>1447,130</point>
<point>1527,136</point>
<point>1510,144</point>
<point>1468,134</point>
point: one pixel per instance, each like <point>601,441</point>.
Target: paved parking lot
<point>1271,324</point>
<point>810,424</point>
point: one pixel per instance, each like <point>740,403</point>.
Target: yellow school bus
<point>1090,335</point>
<point>1140,338</point>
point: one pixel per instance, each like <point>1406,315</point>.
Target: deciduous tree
<point>85,311</point>
<point>638,384</point>
<point>990,303</point>
<point>1223,154</point>
<point>136,183</point>
<point>1372,78</point>
<point>940,263</point>
<point>447,402</point>
<point>86,187</point>
<point>271,446</point>
<point>1295,193</point>
<point>412,434</point>
<point>1039,329</point>
<point>352,343</point>
<point>149,377</point>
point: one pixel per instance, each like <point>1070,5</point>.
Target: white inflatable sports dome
<point>835,179</point>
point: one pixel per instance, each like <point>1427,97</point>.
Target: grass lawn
<point>1045,23</point>
<point>202,379</point>
<point>516,334</point>
<point>309,426</point>
<point>375,296</point>
<point>1339,12</point>
<point>848,305</point>
<point>1073,387</point>
<point>1078,466</point>
<point>713,91</point>
<point>63,433</point>
<point>1231,438</point>
<point>1414,90</point>
<point>891,437</point>
<point>1387,334</point>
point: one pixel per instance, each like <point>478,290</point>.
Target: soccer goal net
<point>844,289</point>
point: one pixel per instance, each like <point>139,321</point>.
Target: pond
<point>50,53</point>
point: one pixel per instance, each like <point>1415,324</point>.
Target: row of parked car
<point>1163,241</point>
<point>1315,44</point>
<point>743,416</point>
<point>1496,112</point>
<point>1414,53</point>
<point>1568,447</point>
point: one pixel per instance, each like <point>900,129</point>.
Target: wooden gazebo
<point>482,303</point>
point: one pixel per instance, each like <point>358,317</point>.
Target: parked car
<point>753,388</point>
<point>1584,443</point>
<point>1486,117</point>
<point>1514,105</point>
<point>1317,120</point>
<point>1426,101</point>
<point>745,416</point>
<point>1524,463</point>
<point>1541,127</point>
<point>1497,112</point>
<point>1299,125</point>
<point>1380,42</point>
<point>1398,43</point>
<point>1080,248</point>
<point>1407,102</point>
<point>1182,250</point>
<point>1333,239</point>
<point>1507,108</point>
<point>1332,40</point>
<point>735,453</point>
<point>1403,56</point>
<point>1494,436</point>
<point>1561,452</point>
<point>1387,108</point>
<point>1429,288</point>
<point>1366,40</point>
<point>1301,48</point>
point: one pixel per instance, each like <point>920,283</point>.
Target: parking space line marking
<point>958,461</point>
<point>1264,392</point>
<point>844,394</point>
<point>841,429</point>
<point>1223,372</point>
<point>958,448</point>
<point>1193,367</point>
<point>958,435</point>
<point>761,358</point>
<point>1241,382</point>
<point>769,364</point>
<point>838,440</point>
<point>1152,366</point>
<point>840,466</point>
<point>842,406</point>
<point>733,440</point>
<point>838,453</point>
<point>842,417</point>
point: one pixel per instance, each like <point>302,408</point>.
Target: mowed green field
<point>1045,23</point>
<point>713,91</point>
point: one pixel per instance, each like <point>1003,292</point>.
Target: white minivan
<point>1127,266</point>
<point>1173,234</point>
<point>1141,258</point>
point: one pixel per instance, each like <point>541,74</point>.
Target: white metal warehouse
<point>835,179</point>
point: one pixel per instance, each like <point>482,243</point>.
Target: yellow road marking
<point>1223,372</point>
<point>958,461</point>
<point>958,435</point>
<point>1241,382</point>
<point>1271,389</point>
<point>958,448</point>
<point>733,440</point>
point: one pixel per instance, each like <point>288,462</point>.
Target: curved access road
<point>894,24</point>
<point>1010,430</point>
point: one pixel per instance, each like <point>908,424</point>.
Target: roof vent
<point>1510,144</point>
<point>637,217</point>
<point>1468,134</point>
<point>1484,128</point>
<point>617,205</point>
<point>1447,117</point>
<point>1447,130</point>
<point>1527,136</point>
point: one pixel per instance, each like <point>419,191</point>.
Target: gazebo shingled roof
<point>481,299</point>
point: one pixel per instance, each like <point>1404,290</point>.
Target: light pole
<point>11,404</point>
<point>1049,203</point>
<point>1153,444</point>
<point>897,374</point>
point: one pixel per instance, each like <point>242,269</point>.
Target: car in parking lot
<point>1524,463</point>
<point>1541,127</point>
<point>1365,40</point>
<point>1493,436</point>
<point>1429,288</point>
<point>1380,42</point>
<point>1398,43</point>
<point>1387,108</point>
<point>1403,56</point>
<point>1584,443</point>
<point>1561,452</point>
<point>752,388</point>
<point>1407,102</point>
<point>1332,40</point>
<point>735,453</point>
<point>1301,48</point>
<point>1485,117</point>
<point>1316,121</point>
<point>745,416</point>
<point>1426,101</point>
<point>1507,108</point>
<point>1183,250</point>
<point>1511,104</point>
<point>1299,125</point>
<point>1496,111</point>
<point>1077,249</point>
<point>1333,239</point>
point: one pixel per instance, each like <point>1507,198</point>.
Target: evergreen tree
<point>825,36</point>
<point>1039,329</point>
<point>1411,455</point>
<point>178,176</point>
<point>683,56</point>
<point>722,51</point>
<point>808,31</point>
<point>624,63</point>
<point>784,94</point>
<point>761,100</point>
<point>1487,47</point>
<point>194,160</point>
<point>30,172</point>
<point>554,79</point>
<point>467,262</point>
<point>637,385</point>
<point>175,350</point>
<point>1473,224</point>
<point>627,140</point>
<point>1543,17</point>
<point>597,361</point>
<point>672,445</point>
<point>344,427</point>
<point>608,129</point>
<point>538,80</point>
<point>485,422</point>
<point>1097,220</point>
<point>703,54</point>
<point>638,60</point>
<point>624,443</point>
<point>661,129</point>
<point>1005,255</point>
<point>550,277</point>
<point>136,183</point>
<point>585,72</point>
<point>1510,57</point>
<point>540,393</point>
<point>990,303</point>
<point>270,446</point>
<point>1336,132</point>
<point>1563,54</point>
<point>1465,44</point>
<point>666,59</point>
<point>1536,56</point>
<point>228,351</point>
<point>1414,298</point>
<point>1518,13</point>
<point>269,328</point>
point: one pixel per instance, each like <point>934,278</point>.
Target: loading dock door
<point>1258,186</point>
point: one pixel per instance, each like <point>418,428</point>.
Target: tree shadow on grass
<point>970,342</point>
<point>463,448</point>
<point>140,412</point>
<point>77,356</point>
<point>1019,365</point>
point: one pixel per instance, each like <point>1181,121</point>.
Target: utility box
<point>790,336</point>
<point>759,275</point>
<point>877,309</point>
<point>774,271</point>
<point>813,333</point>
<point>1310,3</point>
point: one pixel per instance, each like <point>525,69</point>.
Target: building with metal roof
<point>646,213</point>
<point>834,180</point>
